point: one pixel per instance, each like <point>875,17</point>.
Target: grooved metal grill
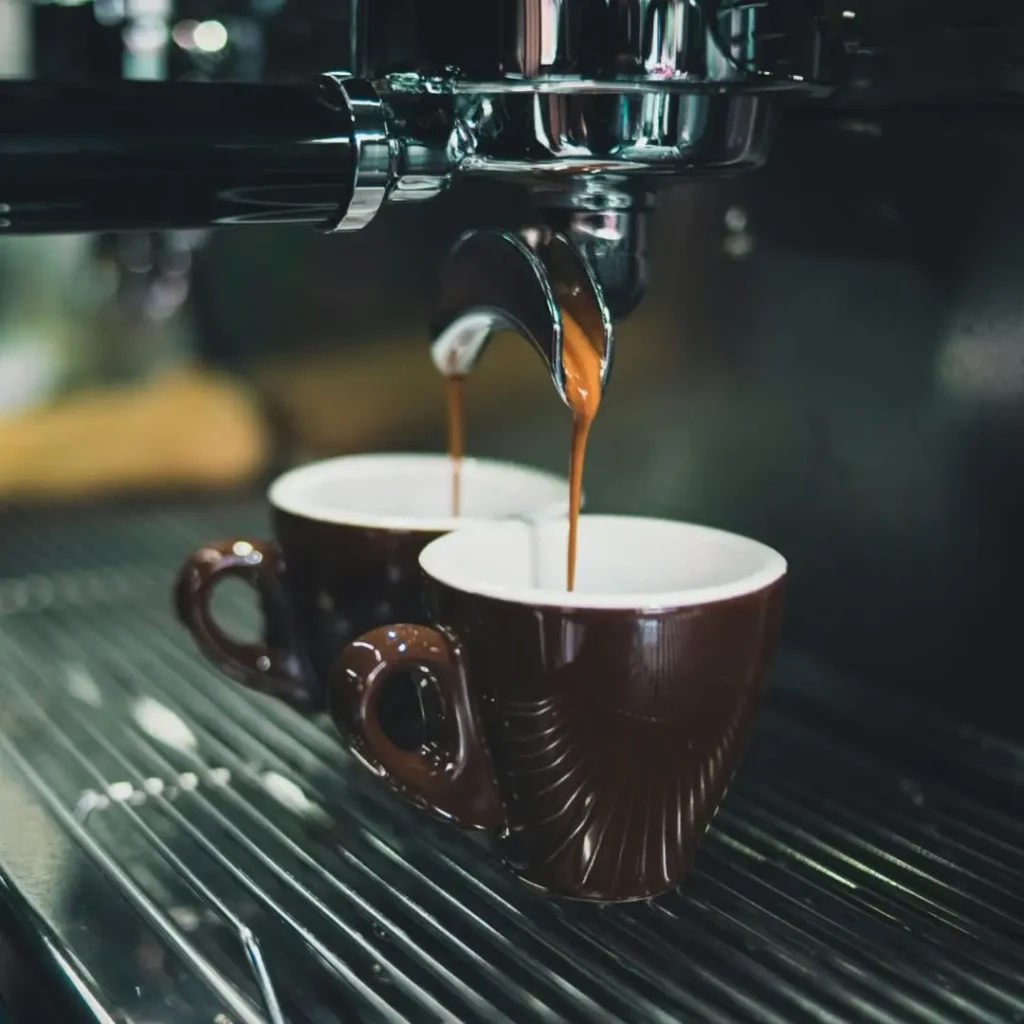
<point>199,853</point>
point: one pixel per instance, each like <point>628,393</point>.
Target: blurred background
<point>830,355</point>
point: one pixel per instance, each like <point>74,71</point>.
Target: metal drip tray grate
<point>193,852</point>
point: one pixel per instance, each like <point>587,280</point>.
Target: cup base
<point>588,898</point>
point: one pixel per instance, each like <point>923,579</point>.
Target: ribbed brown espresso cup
<point>595,741</point>
<point>347,538</point>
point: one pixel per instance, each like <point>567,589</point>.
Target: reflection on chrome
<point>81,685</point>
<point>163,724</point>
<point>124,791</point>
<point>291,795</point>
<point>88,802</point>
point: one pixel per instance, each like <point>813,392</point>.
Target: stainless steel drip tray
<point>176,849</point>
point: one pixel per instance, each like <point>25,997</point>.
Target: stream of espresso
<point>456,435</point>
<point>581,361</point>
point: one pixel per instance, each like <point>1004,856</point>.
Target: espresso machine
<point>592,108</point>
<point>848,388</point>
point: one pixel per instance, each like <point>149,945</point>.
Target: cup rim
<point>351,466</point>
<point>773,568</point>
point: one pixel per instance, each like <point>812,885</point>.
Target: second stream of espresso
<point>456,435</point>
<point>581,361</point>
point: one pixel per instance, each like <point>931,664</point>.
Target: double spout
<point>593,269</point>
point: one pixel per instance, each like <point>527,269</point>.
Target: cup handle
<point>267,667</point>
<point>452,774</point>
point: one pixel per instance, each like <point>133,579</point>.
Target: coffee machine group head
<point>589,105</point>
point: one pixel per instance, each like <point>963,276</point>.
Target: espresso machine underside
<point>176,849</point>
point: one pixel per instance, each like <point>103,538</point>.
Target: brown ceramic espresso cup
<point>347,536</point>
<point>593,732</point>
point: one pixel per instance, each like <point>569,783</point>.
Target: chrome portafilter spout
<point>521,282</point>
<point>587,259</point>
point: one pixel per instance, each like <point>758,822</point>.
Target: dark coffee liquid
<point>581,360</point>
<point>582,363</point>
<point>456,435</point>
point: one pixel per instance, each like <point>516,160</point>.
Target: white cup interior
<point>414,492</point>
<point>622,562</point>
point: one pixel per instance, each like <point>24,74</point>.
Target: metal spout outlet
<point>503,281</point>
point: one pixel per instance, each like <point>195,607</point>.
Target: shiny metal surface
<point>92,156</point>
<point>171,838</point>
<point>568,87</point>
<point>586,105</point>
<point>514,45</point>
<point>572,88</point>
<point>498,281</point>
<point>613,242</point>
<point>582,103</point>
<point>653,40</point>
<point>689,73</point>
<point>654,133</point>
<point>372,156</point>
